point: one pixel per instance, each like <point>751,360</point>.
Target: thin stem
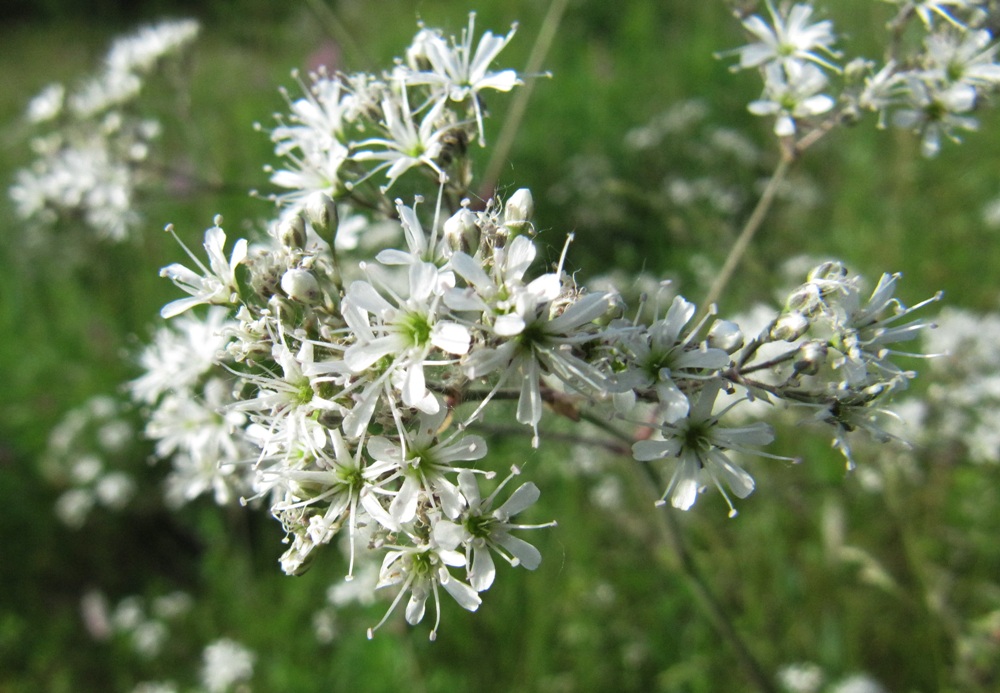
<point>935,631</point>
<point>338,31</point>
<point>746,235</point>
<point>519,105</point>
<point>671,536</point>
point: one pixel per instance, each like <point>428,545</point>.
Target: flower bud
<point>461,231</point>
<point>789,327</point>
<point>856,70</point>
<point>518,210</point>
<point>725,335</point>
<point>321,211</point>
<point>300,285</point>
<point>828,271</point>
<point>805,300</point>
<point>810,357</point>
<point>292,233</point>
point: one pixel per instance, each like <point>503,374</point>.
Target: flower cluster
<point>356,389</point>
<point>931,90</point>
<point>962,406</point>
<point>421,115</point>
<point>87,457</point>
<point>191,419</point>
<point>90,163</point>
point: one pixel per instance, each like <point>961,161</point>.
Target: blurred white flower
<point>225,663</point>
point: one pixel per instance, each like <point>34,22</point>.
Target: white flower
<point>484,530</point>
<point>865,332</point>
<point>399,342</point>
<point>699,445</point>
<point>544,345</point>
<point>47,104</point>
<point>422,570</point>
<point>790,93</point>
<point>215,285</point>
<point>225,662</point>
<point>962,57</point>
<point>934,110</point>
<point>791,38</point>
<point>180,354</point>
<point>497,295</point>
<point>424,461</point>
<point>86,177</point>
<point>312,170</point>
<point>456,71</point>
<point>139,52</point>
<point>660,355</point>
<point>204,442</point>
<point>407,145</point>
<point>338,480</point>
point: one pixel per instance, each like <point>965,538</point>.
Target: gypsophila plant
<point>93,150</point>
<point>348,386</point>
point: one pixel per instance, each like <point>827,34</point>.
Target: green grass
<point>607,610</point>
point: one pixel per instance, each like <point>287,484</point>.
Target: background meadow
<point>640,143</point>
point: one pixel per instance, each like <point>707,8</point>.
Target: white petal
<point>736,478</point>
<point>423,280</point>
<point>391,256</point>
<point>404,506</point>
<point>467,449</point>
<point>470,487</point>
<point>452,501</point>
<point>471,271</point>
<point>178,306</point>
<point>360,356</point>
<point>384,450</point>
<point>415,607</point>
<point>529,404</point>
<point>526,554</point>
<point>483,570</point>
<point>675,403</point>
<point>364,295</point>
<point>646,450</point>
<point>525,496</point>
<point>466,597</point>
<point>414,385</point>
<point>451,337</point>
<point>586,309</point>
<point>508,325</point>
<point>449,535</point>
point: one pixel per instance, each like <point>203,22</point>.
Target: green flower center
<point>479,526</point>
<point>416,328</point>
<point>532,334</point>
<point>303,392</point>
<point>696,437</point>
<point>422,564</point>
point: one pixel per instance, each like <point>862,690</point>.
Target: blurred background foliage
<point>641,144</point>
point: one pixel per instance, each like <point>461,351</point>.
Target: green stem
<point>935,632</point>
<point>670,536</point>
<point>339,32</point>
<point>739,248</point>
<point>519,105</point>
<point>682,560</point>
